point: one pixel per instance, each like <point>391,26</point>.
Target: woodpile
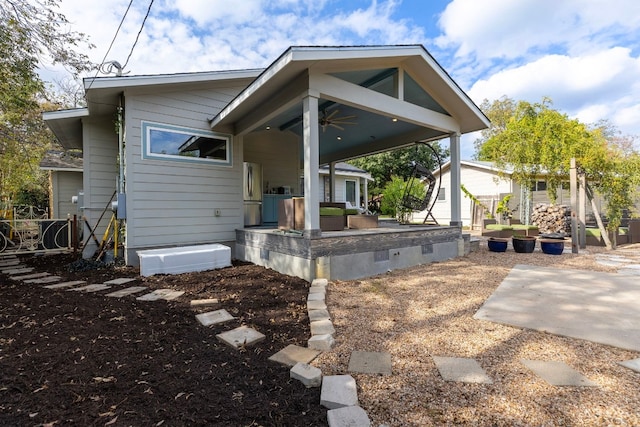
<point>552,218</point>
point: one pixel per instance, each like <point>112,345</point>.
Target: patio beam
<point>341,91</point>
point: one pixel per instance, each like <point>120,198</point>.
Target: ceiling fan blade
<point>331,114</point>
<point>336,126</point>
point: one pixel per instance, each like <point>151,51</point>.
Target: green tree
<point>538,140</point>
<point>384,166</point>
<point>392,198</point>
<point>31,33</point>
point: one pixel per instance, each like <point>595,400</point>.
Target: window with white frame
<point>441,194</point>
<point>168,142</point>
<point>350,192</point>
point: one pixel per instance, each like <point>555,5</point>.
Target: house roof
<point>353,82</point>
<point>489,166</point>
<point>68,161</point>
<point>357,83</point>
<point>103,93</point>
<point>347,169</point>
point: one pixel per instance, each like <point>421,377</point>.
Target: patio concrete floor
<point>594,306</point>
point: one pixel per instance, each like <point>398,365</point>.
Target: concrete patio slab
<point>126,291</point>
<point>558,373</point>
<point>370,362</point>
<point>461,369</point>
<point>120,281</point>
<point>634,364</point>
<point>214,317</point>
<point>594,306</point>
<point>65,284</point>
<point>241,337</point>
<point>292,354</point>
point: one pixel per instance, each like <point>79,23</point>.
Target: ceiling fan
<point>332,119</point>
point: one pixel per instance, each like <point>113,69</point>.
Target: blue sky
<point>583,54</point>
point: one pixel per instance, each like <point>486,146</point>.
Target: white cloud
<point>603,85</point>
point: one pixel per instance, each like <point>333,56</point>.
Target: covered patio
<point>344,103</point>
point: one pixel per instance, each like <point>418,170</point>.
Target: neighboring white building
<point>490,185</point>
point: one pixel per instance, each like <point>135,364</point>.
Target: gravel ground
<point>428,311</point>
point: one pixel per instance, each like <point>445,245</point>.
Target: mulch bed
<point>72,358</point>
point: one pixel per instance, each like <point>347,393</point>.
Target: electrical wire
<point>110,45</point>
<point>139,32</point>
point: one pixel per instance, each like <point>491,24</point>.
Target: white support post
<point>582,202</point>
<point>365,197</point>
<point>456,200</point>
<point>573,186</point>
<point>311,143</point>
<point>332,181</point>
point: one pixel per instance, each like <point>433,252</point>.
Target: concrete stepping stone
<point>370,362</point>
<point>322,327</point>
<point>350,416</point>
<point>323,342</point>
<point>558,373</point>
<point>338,391</point>
<point>120,281</point>
<point>633,364</point>
<point>320,282</point>
<point>204,302</point>
<point>316,296</point>
<point>91,288</point>
<point>17,271</point>
<point>158,294</point>
<point>126,291</point>
<point>630,270</point>
<point>29,276</point>
<point>65,284</point>
<point>214,317</point>
<point>292,354</point>
<point>9,262</point>
<point>461,369</point>
<point>316,305</point>
<point>308,375</point>
<point>241,337</point>
<point>43,280</point>
<point>318,315</point>
<point>318,289</point>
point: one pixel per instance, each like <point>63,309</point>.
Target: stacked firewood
<point>552,218</point>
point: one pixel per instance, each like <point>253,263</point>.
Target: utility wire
<point>138,36</point>
<point>110,45</point>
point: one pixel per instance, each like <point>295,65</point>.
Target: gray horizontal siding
<point>171,203</point>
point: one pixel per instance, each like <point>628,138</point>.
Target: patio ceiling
<point>397,95</point>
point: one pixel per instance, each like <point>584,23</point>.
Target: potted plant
<point>497,244</point>
<point>523,244</point>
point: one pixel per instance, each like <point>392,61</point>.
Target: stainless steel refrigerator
<point>252,193</point>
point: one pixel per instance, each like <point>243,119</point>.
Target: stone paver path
<point>558,373</point>
<point>126,291</point>
<point>214,317</point>
<point>165,294</point>
<point>65,284</point>
<point>368,362</point>
<point>461,370</point>
<point>241,337</point>
<point>292,354</point>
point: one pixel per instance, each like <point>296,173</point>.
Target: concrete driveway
<point>594,306</point>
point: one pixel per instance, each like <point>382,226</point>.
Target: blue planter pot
<point>497,245</point>
<point>551,247</point>
<point>524,245</point>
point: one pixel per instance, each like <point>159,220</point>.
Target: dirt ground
<point>71,358</point>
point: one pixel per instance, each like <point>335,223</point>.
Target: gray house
<point>174,158</point>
